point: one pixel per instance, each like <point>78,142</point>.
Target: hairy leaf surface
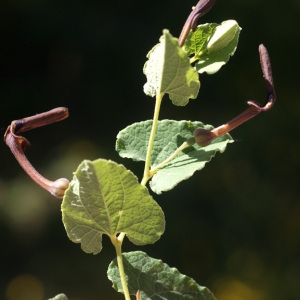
<point>105,198</point>
<point>168,70</point>
<point>156,280</point>
<point>133,140</point>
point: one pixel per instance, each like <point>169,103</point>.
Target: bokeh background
<point>234,227</point>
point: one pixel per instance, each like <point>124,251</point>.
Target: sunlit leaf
<point>197,40</point>
<point>168,70</point>
<point>212,45</point>
<point>156,280</point>
<point>105,198</point>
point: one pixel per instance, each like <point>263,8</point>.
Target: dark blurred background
<point>234,227</point>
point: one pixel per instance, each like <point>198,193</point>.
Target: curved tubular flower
<point>202,7</point>
<point>204,137</point>
<point>18,144</point>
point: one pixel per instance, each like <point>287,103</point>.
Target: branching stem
<point>172,156</point>
<point>147,174</point>
<point>193,59</point>
<point>121,237</point>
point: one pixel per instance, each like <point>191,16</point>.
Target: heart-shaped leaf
<point>105,198</point>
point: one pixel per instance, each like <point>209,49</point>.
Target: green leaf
<point>156,280</point>
<point>212,45</point>
<point>168,70</point>
<point>197,40</point>
<point>105,198</point>
<point>133,140</point>
<point>60,297</point>
<point>186,164</point>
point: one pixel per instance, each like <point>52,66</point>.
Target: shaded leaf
<point>133,140</point>
<point>168,70</point>
<point>156,280</point>
<point>105,198</point>
<point>186,164</point>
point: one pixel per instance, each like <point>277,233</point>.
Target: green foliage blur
<point>234,226</point>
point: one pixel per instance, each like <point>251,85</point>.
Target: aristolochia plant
<point>106,198</point>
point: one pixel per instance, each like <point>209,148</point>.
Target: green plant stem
<point>172,156</point>
<point>121,237</point>
<point>193,59</point>
<point>118,246</point>
<point>147,175</point>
